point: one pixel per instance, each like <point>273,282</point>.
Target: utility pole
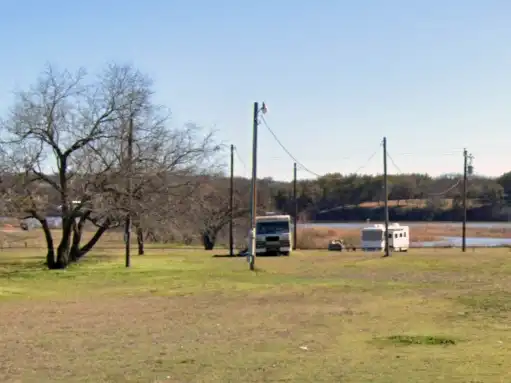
<point>253,204</point>
<point>231,203</point>
<point>295,214</point>
<point>129,187</point>
<point>464,223</point>
<point>467,171</point>
<point>253,190</point>
<point>386,201</point>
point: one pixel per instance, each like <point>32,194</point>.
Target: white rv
<point>273,234</point>
<point>373,237</point>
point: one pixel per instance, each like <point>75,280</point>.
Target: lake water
<point>354,225</point>
<point>445,241</point>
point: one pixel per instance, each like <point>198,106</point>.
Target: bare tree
<point>212,210</point>
<point>164,218</point>
<point>168,164</point>
<point>74,126</point>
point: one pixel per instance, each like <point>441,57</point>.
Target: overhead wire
<point>450,188</point>
<point>428,154</point>
<point>393,162</point>
<point>302,166</point>
<point>445,191</point>
<point>368,160</point>
<point>238,156</point>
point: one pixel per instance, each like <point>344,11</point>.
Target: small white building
<point>373,237</point>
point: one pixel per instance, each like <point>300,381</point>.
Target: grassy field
<point>185,316</point>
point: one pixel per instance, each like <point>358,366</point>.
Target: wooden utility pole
<point>295,213</point>
<point>464,223</point>
<point>253,200</point>
<point>386,200</point>
<point>231,203</point>
<point>129,187</point>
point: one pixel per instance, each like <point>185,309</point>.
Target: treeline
<point>413,197</point>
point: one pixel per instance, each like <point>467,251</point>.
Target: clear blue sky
<point>433,76</point>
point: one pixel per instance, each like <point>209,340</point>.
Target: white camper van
<point>372,237</point>
<point>273,234</point>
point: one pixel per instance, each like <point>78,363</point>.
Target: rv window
<point>272,227</point>
<point>400,235</point>
<point>390,235</point>
<point>372,235</point>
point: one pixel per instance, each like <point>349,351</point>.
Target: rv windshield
<point>272,227</point>
<point>372,235</point>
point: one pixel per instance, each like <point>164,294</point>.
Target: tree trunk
<point>92,242</point>
<point>74,253</point>
<point>63,251</point>
<point>50,252</point>
<point>77,237</point>
<point>208,240</point>
<point>140,240</point>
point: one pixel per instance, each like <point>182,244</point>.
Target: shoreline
<point>319,237</point>
<point>405,223</point>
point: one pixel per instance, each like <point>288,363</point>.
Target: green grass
<point>185,316</point>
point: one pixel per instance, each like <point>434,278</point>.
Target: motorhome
<point>373,237</point>
<point>273,234</point>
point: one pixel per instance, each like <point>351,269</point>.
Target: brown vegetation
<point>17,238</point>
<point>308,237</point>
<point>319,237</point>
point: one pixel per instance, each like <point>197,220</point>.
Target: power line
<point>428,194</point>
<point>393,163</point>
<point>302,166</point>
<point>368,160</point>
<point>445,191</point>
<point>238,156</point>
<point>428,154</point>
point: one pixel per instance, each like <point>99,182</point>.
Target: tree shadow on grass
<point>271,255</point>
<point>424,340</point>
<point>26,266</point>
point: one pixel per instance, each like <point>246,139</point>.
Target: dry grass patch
<point>33,239</point>
<point>183,316</point>
<point>309,238</point>
<point>319,237</point>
